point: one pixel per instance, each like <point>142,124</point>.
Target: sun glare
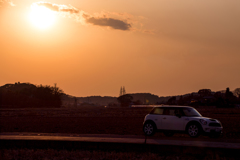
<point>41,17</point>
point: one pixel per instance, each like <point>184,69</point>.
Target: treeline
<point>205,97</point>
<point>26,95</point>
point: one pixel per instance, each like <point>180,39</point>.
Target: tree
<point>125,100</point>
<point>204,92</point>
<point>236,92</point>
<point>180,101</point>
<point>172,100</point>
<point>137,102</point>
<point>228,94</point>
<point>57,95</point>
<point>30,96</point>
<point>229,97</point>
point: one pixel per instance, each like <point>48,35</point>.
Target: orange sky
<point>94,47</point>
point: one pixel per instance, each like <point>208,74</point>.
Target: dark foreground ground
<point>100,120</point>
<point>52,154</point>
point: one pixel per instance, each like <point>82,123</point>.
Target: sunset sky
<point>93,47</point>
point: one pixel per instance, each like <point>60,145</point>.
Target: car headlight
<point>203,121</point>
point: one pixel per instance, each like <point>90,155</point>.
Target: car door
<point>156,116</point>
<point>170,121</point>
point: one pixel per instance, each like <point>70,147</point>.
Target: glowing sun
<point>41,17</point>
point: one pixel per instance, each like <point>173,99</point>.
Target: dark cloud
<point>71,10</point>
<point>58,8</point>
<point>113,23</point>
<point>84,18</point>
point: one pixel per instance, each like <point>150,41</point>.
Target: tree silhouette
<point>172,100</point>
<point>229,98</point>
<point>236,92</point>
<point>30,96</point>
<point>125,100</point>
<point>204,92</point>
<point>180,101</point>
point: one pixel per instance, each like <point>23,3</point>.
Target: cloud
<point>110,22</point>
<point>58,8</point>
<point>6,3</point>
<point>50,6</point>
<point>85,18</point>
<point>71,10</point>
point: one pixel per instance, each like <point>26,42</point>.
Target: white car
<point>183,119</point>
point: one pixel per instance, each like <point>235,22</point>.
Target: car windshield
<point>191,112</point>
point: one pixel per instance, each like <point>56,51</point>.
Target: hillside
<point>29,91</point>
<point>144,98</point>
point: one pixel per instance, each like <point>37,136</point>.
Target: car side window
<point>178,112</point>
<point>168,111</point>
<point>157,111</point>
<point>172,112</point>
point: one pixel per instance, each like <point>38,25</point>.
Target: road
<point>120,139</point>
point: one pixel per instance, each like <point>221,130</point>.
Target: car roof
<point>171,106</point>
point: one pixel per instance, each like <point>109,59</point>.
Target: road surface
<point>120,139</point>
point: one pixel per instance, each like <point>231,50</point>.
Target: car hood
<point>205,118</point>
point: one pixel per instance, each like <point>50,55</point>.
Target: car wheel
<point>193,130</point>
<point>168,133</point>
<point>149,129</point>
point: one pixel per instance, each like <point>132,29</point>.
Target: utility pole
<point>121,91</point>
